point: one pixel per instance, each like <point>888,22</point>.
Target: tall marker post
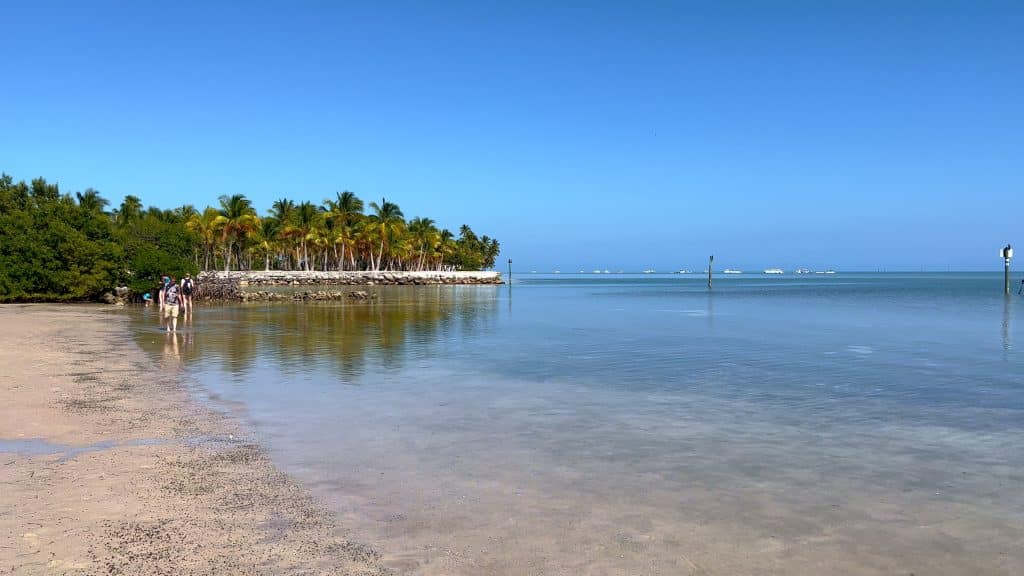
<point>510,273</point>
<point>1006,253</point>
<point>711,260</point>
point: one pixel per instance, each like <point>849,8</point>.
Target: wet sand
<point>108,466</point>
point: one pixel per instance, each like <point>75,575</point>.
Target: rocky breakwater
<point>280,285</point>
<point>304,295</point>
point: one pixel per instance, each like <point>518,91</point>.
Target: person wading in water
<point>187,288</point>
<point>172,298</point>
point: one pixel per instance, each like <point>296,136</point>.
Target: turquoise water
<point>846,424</point>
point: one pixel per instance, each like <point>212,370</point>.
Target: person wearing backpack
<point>172,300</point>
<point>188,286</point>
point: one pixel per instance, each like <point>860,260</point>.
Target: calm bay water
<point>847,424</point>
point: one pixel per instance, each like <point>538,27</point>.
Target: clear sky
<point>856,135</point>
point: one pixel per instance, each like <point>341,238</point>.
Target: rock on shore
<point>245,286</point>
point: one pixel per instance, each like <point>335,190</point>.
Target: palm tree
<point>345,207</point>
<point>466,233</point>
<point>445,247</point>
<point>282,209</point>
<point>91,200</point>
<point>130,210</point>
<point>364,240</point>
<point>387,219</point>
<point>491,248</point>
<point>236,219</point>
<point>424,235</point>
<point>302,223</point>
<point>344,211</point>
<point>266,237</point>
<point>205,226</point>
<point>185,212</point>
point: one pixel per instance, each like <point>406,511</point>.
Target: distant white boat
<point>774,271</point>
<point>649,271</point>
<point>607,272</point>
<point>802,271</point>
<point>830,271</point>
<point>558,271</point>
<point>731,271</point>
<point>684,272</point>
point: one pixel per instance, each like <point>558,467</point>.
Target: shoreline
<point>111,466</point>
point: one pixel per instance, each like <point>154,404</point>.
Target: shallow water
<point>856,423</point>
<point>41,447</point>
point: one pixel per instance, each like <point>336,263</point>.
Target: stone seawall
<point>244,286</point>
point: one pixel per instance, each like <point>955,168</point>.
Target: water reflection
<point>172,353</point>
<point>711,311</point>
<point>397,325</point>
<point>1006,323</point>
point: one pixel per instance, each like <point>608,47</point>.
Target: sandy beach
<point>108,466</point>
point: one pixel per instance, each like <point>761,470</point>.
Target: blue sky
<point>856,135</point>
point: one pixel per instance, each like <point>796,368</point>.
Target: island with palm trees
<point>337,235</point>
<point>71,247</point>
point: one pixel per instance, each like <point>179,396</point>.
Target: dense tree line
<point>56,246</point>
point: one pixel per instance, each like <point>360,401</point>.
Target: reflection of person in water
<point>172,355</point>
<point>1021,286</point>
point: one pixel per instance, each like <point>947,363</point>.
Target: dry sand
<point>108,466</point>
